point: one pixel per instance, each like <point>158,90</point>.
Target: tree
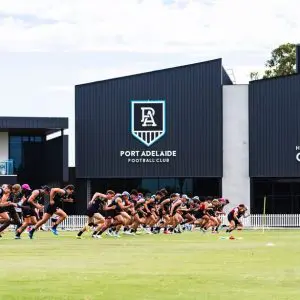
<point>254,75</point>
<point>281,63</point>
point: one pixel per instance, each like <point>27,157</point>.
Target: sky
<point>49,46</point>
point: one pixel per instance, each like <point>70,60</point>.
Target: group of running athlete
<point>157,213</point>
<point>21,206</point>
<point>162,212</point>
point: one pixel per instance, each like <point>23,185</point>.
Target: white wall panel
<point>236,181</point>
<point>3,146</point>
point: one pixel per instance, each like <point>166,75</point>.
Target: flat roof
<point>33,125</point>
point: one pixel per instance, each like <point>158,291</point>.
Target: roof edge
<point>150,72</point>
<point>275,77</point>
<point>49,123</point>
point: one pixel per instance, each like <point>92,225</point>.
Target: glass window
<point>16,151</point>
<point>15,139</point>
<point>184,185</point>
<point>168,183</point>
<point>207,187</point>
<point>149,185</point>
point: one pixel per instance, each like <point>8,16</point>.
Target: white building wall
<point>236,181</point>
<point>3,146</point>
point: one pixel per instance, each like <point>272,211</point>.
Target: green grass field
<point>188,266</point>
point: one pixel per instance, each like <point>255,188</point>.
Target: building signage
<point>148,120</point>
<point>148,125</point>
<point>137,156</point>
<point>298,153</point>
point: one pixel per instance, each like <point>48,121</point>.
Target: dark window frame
<point>21,139</point>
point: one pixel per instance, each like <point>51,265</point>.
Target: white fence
<point>253,221</point>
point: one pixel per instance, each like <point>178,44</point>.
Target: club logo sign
<point>148,120</point>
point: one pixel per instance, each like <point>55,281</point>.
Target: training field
<point>187,266</point>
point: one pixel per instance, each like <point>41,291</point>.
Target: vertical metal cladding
<point>193,97</point>
<point>56,153</point>
<point>65,158</point>
<point>274,127</point>
<point>298,59</point>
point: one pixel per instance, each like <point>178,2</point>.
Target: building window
<point>189,186</point>
<point>148,185</point>
<point>16,149</point>
<point>167,183</point>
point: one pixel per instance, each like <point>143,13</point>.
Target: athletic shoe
<point>54,231</point>
<point>30,234</point>
<point>95,236</point>
<point>127,233</point>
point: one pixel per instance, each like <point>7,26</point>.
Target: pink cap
<point>26,186</point>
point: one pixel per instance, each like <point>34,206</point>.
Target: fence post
<point>264,213</point>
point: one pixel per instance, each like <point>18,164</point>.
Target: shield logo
<point>148,120</point>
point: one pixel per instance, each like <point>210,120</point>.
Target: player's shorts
<point>198,214</point>
<point>50,209</point>
<point>95,217</point>
<point>28,212</point>
<point>3,209</point>
<point>110,214</point>
<point>91,212</point>
<point>212,213</point>
<point>8,209</point>
<point>231,218</point>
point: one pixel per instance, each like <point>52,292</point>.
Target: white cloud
<point>148,26</point>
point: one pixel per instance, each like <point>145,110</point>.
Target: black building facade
<point>166,129</point>
<point>28,156</point>
<point>152,130</point>
<point>274,137</point>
